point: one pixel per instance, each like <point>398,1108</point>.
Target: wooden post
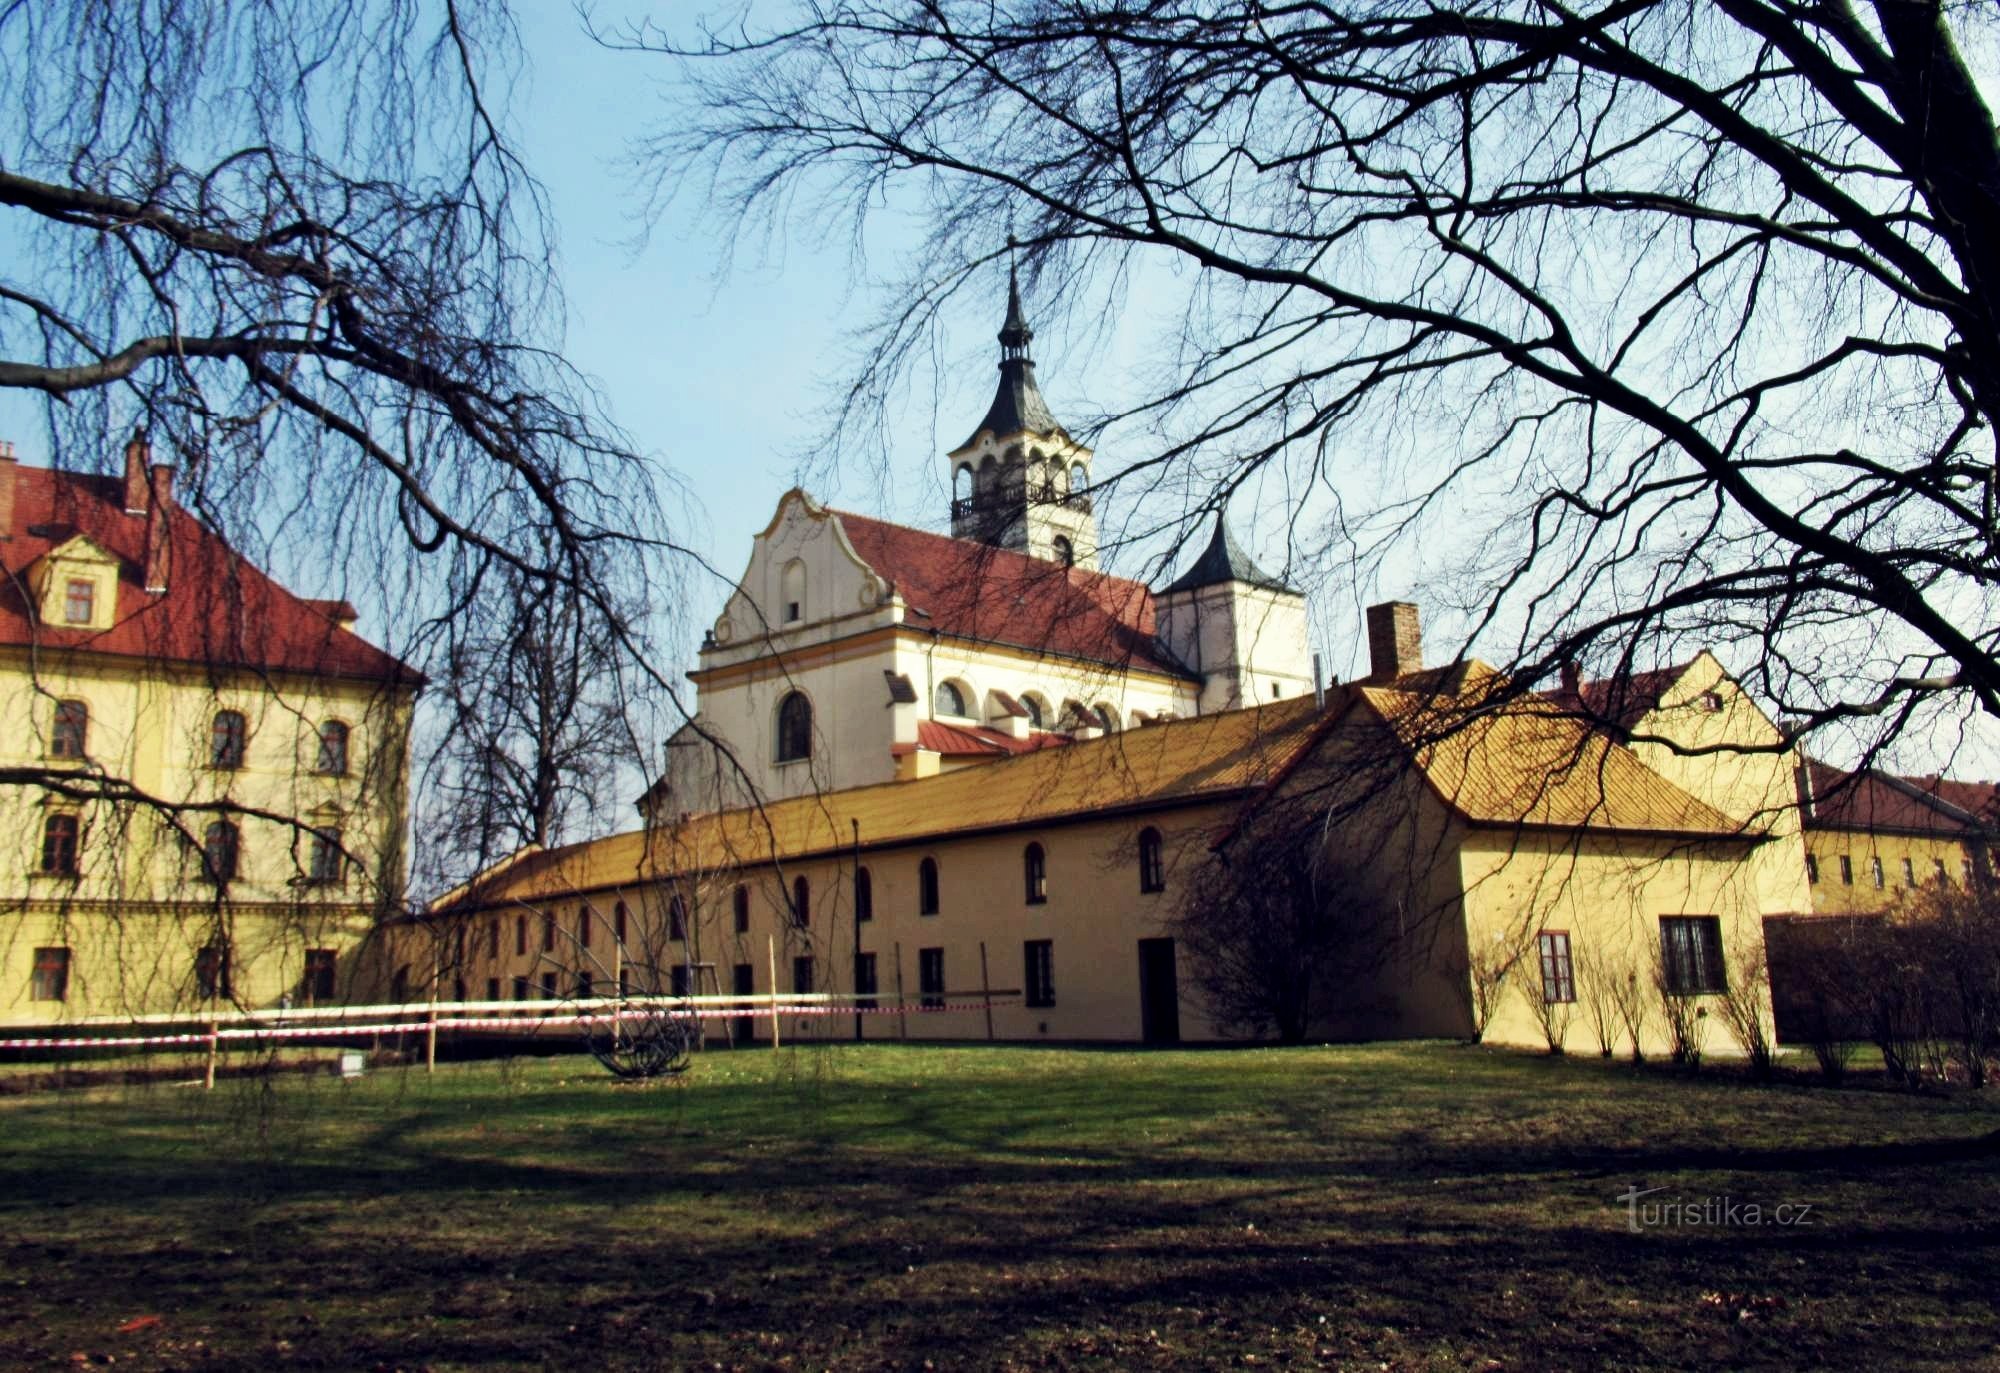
<point>902,1012</point>
<point>214,1037</point>
<point>431,1030</point>
<point>985,991</point>
<point>771,946</point>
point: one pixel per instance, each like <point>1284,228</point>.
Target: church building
<point>856,651</point>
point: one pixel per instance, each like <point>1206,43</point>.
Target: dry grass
<point>1411,1206</point>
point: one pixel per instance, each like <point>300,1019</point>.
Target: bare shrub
<point>1744,1005</point>
<point>1598,977</point>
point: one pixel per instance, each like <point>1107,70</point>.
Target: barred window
<point>1035,866</point>
<point>1691,953</point>
<point>1558,980</point>
<point>930,977</point>
<point>1039,971</point>
<point>51,980</point>
<point>60,834</point>
<point>1152,861</point>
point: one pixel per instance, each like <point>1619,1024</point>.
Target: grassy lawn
<point>1407,1206</point>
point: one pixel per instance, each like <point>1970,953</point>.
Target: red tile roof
<point>1620,701</point>
<point>958,740</point>
<point>1832,798</point>
<point>972,591</point>
<point>218,609</point>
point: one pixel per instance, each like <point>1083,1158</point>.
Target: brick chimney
<point>7,469</point>
<point>1572,679</point>
<point>159,505</point>
<point>1395,643</point>
<point>138,455</point>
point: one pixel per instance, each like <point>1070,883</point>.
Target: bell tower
<point>1021,482</point>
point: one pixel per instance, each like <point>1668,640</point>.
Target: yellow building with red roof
<point>209,772</point>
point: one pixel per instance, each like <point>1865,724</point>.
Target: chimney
<point>1395,643</point>
<point>159,505</point>
<point>1572,679</point>
<point>1319,685</point>
<point>7,468</point>
<point>138,455</point>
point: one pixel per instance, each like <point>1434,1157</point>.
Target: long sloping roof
<point>1213,756</point>
<point>219,610</point>
<point>1834,798</point>
<point>1522,763</point>
<point>974,591</point>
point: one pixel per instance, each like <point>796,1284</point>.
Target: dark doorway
<point>1159,994</point>
<point>742,1027</point>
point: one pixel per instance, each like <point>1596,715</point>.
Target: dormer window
<point>79,601</point>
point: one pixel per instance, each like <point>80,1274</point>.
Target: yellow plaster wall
<point>1831,896</point>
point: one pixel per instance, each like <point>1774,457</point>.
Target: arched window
<point>1108,718</point>
<point>961,482</point>
<point>801,901</point>
<point>221,849</point>
<point>676,919</point>
<point>1152,861</point>
<point>795,728</point>
<point>226,735</point>
<point>71,736</point>
<point>1035,869</point>
<point>741,901</point>
<point>794,591</point>
<point>1062,551</point>
<point>927,887</point>
<point>1078,478</point>
<point>864,895</point>
<point>332,749</point>
<point>1037,711</point>
<point>60,833</point>
<point>986,479</point>
<point>948,700</point>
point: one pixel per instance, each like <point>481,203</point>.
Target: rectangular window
<point>1909,873</point>
<point>1965,867</point>
<point>317,984</point>
<point>326,864</point>
<point>864,981</point>
<point>586,986</point>
<point>802,974</point>
<point>493,941</point>
<point>79,601</point>
<point>520,989</point>
<point>548,986</point>
<point>1691,951</point>
<point>71,736</point>
<point>677,980</point>
<point>59,844</point>
<point>1812,868</point>
<point>930,976</point>
<point>520,934</point>
<point>211,973</point>
<point>549,932</point>
<point>1039,971</point>
<point>1875,872</point>
<point>583,927</point>
<point>1942,876</point>
<point>1558,981</point>
<point>492,989</point>
<point>1846,871</point>
<point>51,981</point>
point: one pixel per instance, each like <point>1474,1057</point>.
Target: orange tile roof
<point>1209,757</point>
<point>1526,763</point>
<point>939,736</point>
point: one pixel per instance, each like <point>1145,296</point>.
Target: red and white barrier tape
<point>445,1023</point>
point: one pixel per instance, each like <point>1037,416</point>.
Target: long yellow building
<point>1484,830</point>
<point>208,773</point>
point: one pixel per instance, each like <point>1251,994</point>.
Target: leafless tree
<point>1694,303</point>
<point>1746,1009</point>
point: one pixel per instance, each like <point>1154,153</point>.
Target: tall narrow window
<point>221,851</point>
<point>864,896</point>
<point>618,922</point>
<point>1875,872</point>
<point>326,865</point>
<point>1035,873</point>
<point>59,844</point>
<point>1909,873</point>
<point>1558,980</point>
<point>1039,972</point>
<point>211,972</point>
<point>71,736</point>
<point>520,934</point>
<point>676,919</point>
<point>317,984</point>
<point>1152,861</point>
<point>1691,952</point>
<point>548,932</point>
<point>741,902</point>
<point>1941,875</point>
<point>493,942</point>
<point>930,977</point>
<point>802,974</point>
<point>1846,871</point>
<point>520,989</point>
<point>332,758</point>
<point>1812,868</point>
<point>492,989</point>
<point>864,981</point>
<point>927,887</point>
<point>226,736</point>
<point>678,982</point>
<point>794,591</point>
<point>795,728</point>
<point>549,985</point>
<point>51,980</point>
<point>801,901</point>
<point>79,601</point>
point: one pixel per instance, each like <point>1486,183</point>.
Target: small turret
<point>1242,629</point>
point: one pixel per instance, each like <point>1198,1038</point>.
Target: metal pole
<point>985,990</point>
<point>771,947</point>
